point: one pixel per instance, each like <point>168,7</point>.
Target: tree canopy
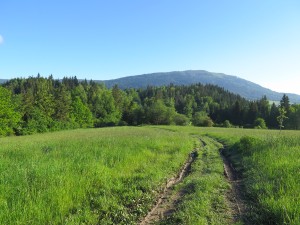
<point>38,104</point>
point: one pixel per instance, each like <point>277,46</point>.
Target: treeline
<point>39,104</point>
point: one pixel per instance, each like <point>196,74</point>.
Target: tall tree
<point>80,114</point>
<point>294,117</point>
<point>62,104</point>
<point>252,112</point>
<point>237,113</point>
<point>264,107</point>
<point>102,105</point>
<point>272,119</point>
<point>9,117</point>
<point>285,103</point>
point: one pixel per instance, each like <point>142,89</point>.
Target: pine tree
<point>272,119</point>
<point>285,103</point>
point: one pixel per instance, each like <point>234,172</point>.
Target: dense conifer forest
<point>38,104</point>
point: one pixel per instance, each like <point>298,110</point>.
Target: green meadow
<point>113,175</point>
<point>269,163</point>
<point>106,176</point>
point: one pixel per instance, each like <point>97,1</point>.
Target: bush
<point>159,114</point>
<point>227,124</point>
<point>246,145</point>
<point>181,120</point>
<point>260,123</point>
<point>202,119</point>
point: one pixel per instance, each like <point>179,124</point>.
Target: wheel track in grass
<point>167,200</point>
<point>235,196</point>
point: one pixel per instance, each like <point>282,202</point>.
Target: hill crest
<point>245,88</point>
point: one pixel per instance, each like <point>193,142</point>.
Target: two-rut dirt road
<point>167,200</point>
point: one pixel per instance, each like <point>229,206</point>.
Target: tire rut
<point>235,196</point>
<point>166,202</point>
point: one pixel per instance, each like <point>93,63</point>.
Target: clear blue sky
<point>253,39</point>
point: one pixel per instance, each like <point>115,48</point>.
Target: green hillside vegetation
<point>37,105</point>
<point>113,175</point>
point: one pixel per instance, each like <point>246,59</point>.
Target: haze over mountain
<point>245,88</point>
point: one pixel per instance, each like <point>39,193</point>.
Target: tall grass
<point>92,176</point>
<point>112,175</point>
<point>270,164</point>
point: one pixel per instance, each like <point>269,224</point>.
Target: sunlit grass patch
<point>86,176</point>
<point>270,164</point>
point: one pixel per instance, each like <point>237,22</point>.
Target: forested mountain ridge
<point>38,104</point>
<point>246,89</point>
<point>234,84</point>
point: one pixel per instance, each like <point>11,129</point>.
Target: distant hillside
<point>246,89</point>
<point>233,84</point>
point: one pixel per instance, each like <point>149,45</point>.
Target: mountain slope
<point>233,84</point>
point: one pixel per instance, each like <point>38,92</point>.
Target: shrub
<point>202,119</point>
<point>227,124</point>
<point>181,120</point>
<point>260,123</point>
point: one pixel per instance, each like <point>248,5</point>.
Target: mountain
<point>234,84</point>
<point>246,89</point>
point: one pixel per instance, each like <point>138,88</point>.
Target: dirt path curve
<point>166,202</point>
<point>235,195</point>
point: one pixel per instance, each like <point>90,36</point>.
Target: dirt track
<point>235,195</point>
<point>167,199</point>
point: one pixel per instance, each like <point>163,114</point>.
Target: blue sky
<point>253,39</point>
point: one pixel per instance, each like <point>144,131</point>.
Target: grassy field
<point>269,162</point>
<point>105,176</point>
<point>112,175</point>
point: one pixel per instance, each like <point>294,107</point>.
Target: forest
<point>39,104</point>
